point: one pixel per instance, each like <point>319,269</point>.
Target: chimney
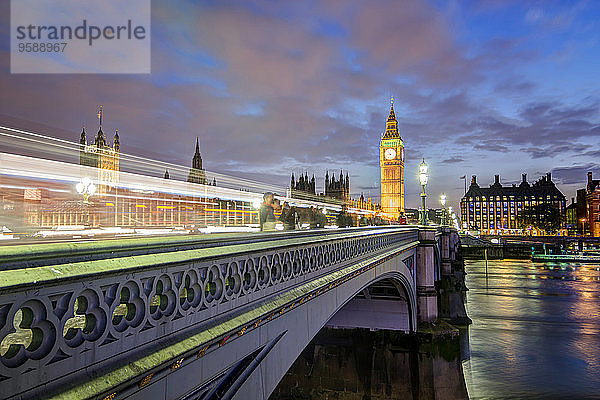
<point>497,179</point>
<point>590,177</point>
<point>524,178</point>
<point>474,178</point>
<point>549,177</point>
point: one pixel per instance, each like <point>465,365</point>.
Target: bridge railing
<point>65,322</point>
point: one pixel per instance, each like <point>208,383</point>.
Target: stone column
<point>427,309</point>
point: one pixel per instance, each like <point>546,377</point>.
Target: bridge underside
<point>383,305</point>
<point>251,366</point>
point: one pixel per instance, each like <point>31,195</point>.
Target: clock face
<point>390,154</point>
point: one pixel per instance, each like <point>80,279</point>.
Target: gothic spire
<point>391,126</point>
<point>82,139</point>
<point>116,142</point>
<point>392,116</point>
<point>197,160</point>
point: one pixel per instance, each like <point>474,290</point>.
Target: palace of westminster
<point>98,153</point>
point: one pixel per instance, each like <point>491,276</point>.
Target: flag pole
<point>100,115</point>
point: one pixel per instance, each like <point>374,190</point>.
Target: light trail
<point>38,194</point>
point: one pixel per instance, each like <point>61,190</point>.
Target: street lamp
<point>443,201</point>
<point>455,220</point>
<point>86,188</point>
<point>423,180</point>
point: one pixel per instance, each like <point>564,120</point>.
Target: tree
<point>544,216</point>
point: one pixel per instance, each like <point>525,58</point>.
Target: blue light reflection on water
<point>535,331</point>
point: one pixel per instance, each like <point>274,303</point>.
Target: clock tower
<point>391,161</point>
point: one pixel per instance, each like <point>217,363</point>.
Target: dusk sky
<point>274,87</point>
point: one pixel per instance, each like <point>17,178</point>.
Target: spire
<point>293,182</point>
<point>197,160</point>
<point>392,116</point>
<point>100,141</point>
<point>82,139</point>
<point>391,126</point>
<point>116,142</point>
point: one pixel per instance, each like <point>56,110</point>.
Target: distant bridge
<point>202,317</point>
<point>543,239</point>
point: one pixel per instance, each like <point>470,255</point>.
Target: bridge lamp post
<point>86,188</point>
<point>443,201</point>
<point>423,178</point>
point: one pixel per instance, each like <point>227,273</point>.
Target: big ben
<point>391,161</point>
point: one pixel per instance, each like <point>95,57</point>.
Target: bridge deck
<point>33,254</point>
<point>113,321</point>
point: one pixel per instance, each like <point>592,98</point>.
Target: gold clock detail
<point>390,154</point>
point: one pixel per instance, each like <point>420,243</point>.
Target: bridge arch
<point>305,322</point>
<point>372,306</point>
<point>252,365</point>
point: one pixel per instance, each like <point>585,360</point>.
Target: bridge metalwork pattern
<point>68,322</point>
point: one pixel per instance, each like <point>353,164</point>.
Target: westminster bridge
<point>203,316</point>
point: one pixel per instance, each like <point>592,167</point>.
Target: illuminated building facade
<point>494,210</point>
<point>99,154</point>
<point>391,161</point>
<point>572,221</point>
<point>593,205</point>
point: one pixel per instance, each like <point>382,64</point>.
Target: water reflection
<point>360,364</point>
<point>535,330</point>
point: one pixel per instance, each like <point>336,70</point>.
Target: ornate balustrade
<point>66,322</point>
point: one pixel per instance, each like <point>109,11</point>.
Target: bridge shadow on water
<point>359,364</point>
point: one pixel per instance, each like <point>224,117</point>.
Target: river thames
<point>535,331</point>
